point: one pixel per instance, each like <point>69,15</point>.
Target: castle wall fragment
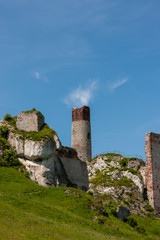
<point>152,151</point>
<point>30,121</point>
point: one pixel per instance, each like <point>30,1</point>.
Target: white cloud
<point>81,96</point>
<point>118,83</point>
<point>37,75</point>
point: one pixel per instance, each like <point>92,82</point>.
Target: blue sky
<point>55,55</point>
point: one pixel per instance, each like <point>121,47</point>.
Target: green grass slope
<point>29,211</point>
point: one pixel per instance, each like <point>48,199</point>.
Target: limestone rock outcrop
<point>45,159</point>
<point>120,179</point>
<point>33,150</point>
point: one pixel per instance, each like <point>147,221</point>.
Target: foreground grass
<point>28,211</point>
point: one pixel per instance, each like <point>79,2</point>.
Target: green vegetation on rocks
<point>4,144</point>
<point>7,117</point>
<point>108,155</point>
<point>148,207</point>
<point>117,178</point>
<point>11,120</point>
<point>101,178</point>
<point>124,181</point>
<point>8,156</point>
<point>32,111</point>
<point>45,133</point>
<point>111,155</point>
<point>104,179</point>
<point>4,130</point>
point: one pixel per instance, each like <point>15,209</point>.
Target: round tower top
<point>82,113</point>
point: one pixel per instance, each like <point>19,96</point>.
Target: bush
<point>111,207</point>
<point>124,181</point>
<point>4,131</point>
<point>129,194</point>
<point>7,117</point>
<point>124,162</point>
<point>148,207</point>
<point>140,229</point>
<point>133,223</point>
<point>4,143</point>
<point>9,158</point>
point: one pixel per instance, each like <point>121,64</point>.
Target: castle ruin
<point>152,180</point>
<point>47,161</point>
<point>74,163</point>
<point>30,121</point>
<point>81,132</point>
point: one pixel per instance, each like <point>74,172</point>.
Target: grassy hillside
<point>29,211</point>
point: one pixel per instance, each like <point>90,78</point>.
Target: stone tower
<point>152,180</point>
<point>81,132</point>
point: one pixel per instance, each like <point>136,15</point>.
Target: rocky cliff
<point>119,181</point>
<point>114,180</point>
<point>45,159</point>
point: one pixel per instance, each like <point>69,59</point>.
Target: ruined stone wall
<point>30,121</point>
<point>152,151</point>
<point>76,170</point>
<point>81,132</point>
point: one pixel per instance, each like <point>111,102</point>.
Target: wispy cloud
<point>117,84</point>
<point>37,75</point>
<point>81,96</point>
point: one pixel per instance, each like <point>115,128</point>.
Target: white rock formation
<point>99,165</point>
<point>33,150</point>
<point>47,162</point>
<point>103,164</point>
<point>137,181</point>
<point>44,172</point>
<point>16,142</point>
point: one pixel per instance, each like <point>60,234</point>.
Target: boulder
<point>122,212</point>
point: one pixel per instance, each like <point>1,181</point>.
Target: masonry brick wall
<point>30,121</point>
<point>152,151</point>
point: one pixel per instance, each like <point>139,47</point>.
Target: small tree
<point>7,117</point>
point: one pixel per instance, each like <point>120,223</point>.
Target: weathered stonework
<point>152,182</point>
<point>33,121</point>
<point>76,170</point>
<point>81,132</point>
<point>82,113</point>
